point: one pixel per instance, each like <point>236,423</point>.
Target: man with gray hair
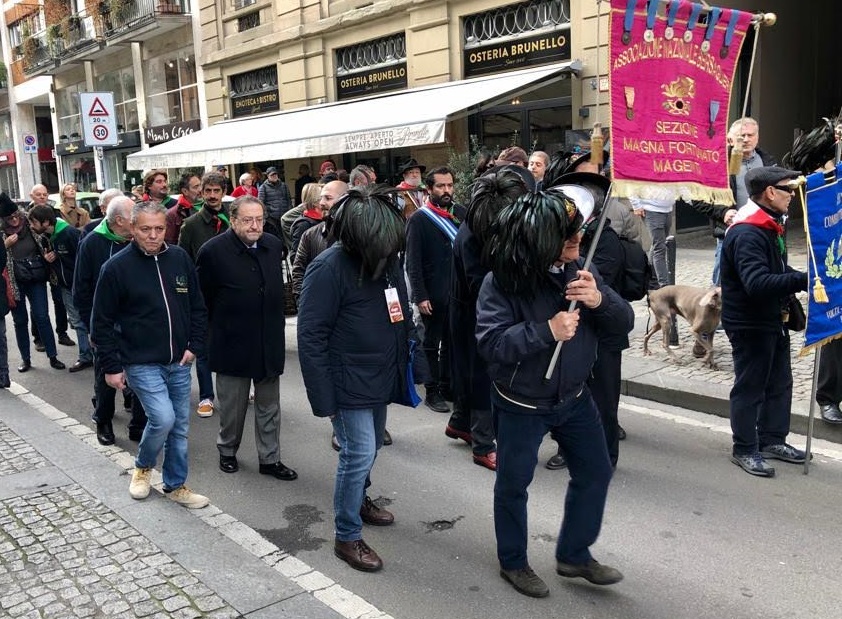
<point>110,236</point>
<point>104,198</point>
<point>149,322</point>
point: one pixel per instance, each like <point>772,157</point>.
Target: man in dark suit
<point>241,280</point>
<point>430,233</point>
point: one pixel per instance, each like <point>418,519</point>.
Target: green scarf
<point>60,225</point>
<point>105,231</point>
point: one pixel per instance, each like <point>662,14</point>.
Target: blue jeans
<point>205,377</point>
<point>85,352</point>
<point>715,277</point>
<point>582,441</point>
<point>658,225</point>
<point>360,434</point>
<point>36,294</point>
<point>164,391</point>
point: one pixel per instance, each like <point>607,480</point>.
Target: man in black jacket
<point>756,287</point>
<point>149,322</point>
<point>430,232</point>
<point>354,334</point>
<point>242,284</point>
<point>522,313</point>
<point>62,244</point>
<point>110,236</point>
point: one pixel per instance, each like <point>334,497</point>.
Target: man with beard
<point>411,193</point>
<point>155,188</point>
<point>430,233</point>
<point>189,203</point>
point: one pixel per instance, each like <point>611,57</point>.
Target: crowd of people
<point>487,304</point>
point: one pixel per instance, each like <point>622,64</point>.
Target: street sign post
<point>99,121</point>
<point>30,144</point>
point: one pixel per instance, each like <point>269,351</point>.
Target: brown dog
<point>701,307</point>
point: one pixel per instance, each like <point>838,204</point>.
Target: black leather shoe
<point>278,471</point>
<point>436,403</point>
<point>5,381</point>
<point>387,438</point>
<point>79,366</point>
<point>25,365</point>
<point>64,340</point>
<point>556,462</point>
<point>229,464</point>
<point>56,364</point>
<point>358,555</point>
<point>105,433</point>
<point>831,413</point>
<point>39,346</point>
<point>621,434</point>
<point>135,435</point>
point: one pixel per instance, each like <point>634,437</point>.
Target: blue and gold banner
<point>823,224</point>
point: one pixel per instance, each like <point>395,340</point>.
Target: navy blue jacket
<point>352,356</point>
<point>756,281</point>
<point>66,246</point>
<point>94,250</point>
<point>514,337</point>
<point>429,254</point>
<point>148,309</point>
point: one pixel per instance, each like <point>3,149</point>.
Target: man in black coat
<point>242,283</point>
<point>430,233</point>
<point>757,284</point>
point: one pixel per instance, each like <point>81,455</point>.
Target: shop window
<point>255,81</point>
<point>67,112</point>
<point>121,83</point>
<point>171,89</point>
<point>7,141</point>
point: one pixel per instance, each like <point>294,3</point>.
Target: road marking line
<point>818,446</point>
<point>320,586</point>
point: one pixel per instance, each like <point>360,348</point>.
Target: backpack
<point>634,280</point>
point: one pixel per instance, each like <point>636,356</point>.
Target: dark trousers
<point>519,435</point>
<point>61,313</point>
<point>761,397</point>
<point>829,379</point>
<point>36,294</point>
<point>477,422</point>
<point>104,397</point>
<point>436,347</point>
<point>604,384</point>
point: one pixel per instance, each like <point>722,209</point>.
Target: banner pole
<point>811,415</point>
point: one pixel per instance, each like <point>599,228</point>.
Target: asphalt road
<point>695,536</point>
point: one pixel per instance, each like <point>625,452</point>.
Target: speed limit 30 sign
<point>99,122</point>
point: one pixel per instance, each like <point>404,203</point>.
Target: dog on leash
<point>701,307</point>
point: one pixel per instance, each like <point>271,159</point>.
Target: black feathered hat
<point>7,207</point>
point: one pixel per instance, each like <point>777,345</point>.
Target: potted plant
<point>71,28</point>
<point>4,75</point>
<point>122,10</point>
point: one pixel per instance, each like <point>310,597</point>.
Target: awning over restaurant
<point>408,118</point>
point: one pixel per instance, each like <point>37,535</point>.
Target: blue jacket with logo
<point>148,309</point>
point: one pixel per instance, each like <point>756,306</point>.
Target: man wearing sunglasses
<point>756,286</point>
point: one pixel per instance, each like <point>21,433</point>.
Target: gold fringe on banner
<point>806,350</point>
<point>672,191</point>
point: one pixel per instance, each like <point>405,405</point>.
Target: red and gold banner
<point>671,69</point>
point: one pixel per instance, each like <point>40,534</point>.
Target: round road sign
<point>29,140</point>
<point>100,132</point>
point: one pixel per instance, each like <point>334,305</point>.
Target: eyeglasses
<point>251,220</point>
<point>785,188</point>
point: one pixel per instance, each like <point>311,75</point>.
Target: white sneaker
<point>141,483</point>
<point>185,496</point>
<point>205,408</point>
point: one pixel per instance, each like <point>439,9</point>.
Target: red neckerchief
<point>439,211</point>
<point>313,213</point>
<point>184,206</point>
<point>406,187</point>
<point>754,215</point>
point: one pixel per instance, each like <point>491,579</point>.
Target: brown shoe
<point>358,555</point>
<point>375,516</point>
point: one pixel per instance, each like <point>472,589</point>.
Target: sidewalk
<point>73,543</point>
<point>693,386</point>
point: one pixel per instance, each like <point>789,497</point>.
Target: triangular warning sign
<point>98,109</point>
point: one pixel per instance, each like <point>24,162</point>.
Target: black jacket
<point>351,354</point>
<point>244,292</point>
<point>428,257</point>
<point>201,227</point>
<point>756,281</point>
<point>94,250</point>
<point>299,227</point>
<point>609,260</point>
<point>66,245</point>
<point>147,309</point>
<point>514,337</point>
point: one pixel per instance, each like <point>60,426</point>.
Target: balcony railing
<point>120,16</point>
<point>38,53</point>
<point>78,33</point>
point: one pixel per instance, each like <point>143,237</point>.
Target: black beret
<point>758,179</point>
<point>7,207</point>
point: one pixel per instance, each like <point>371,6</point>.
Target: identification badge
<point>393,304</point>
